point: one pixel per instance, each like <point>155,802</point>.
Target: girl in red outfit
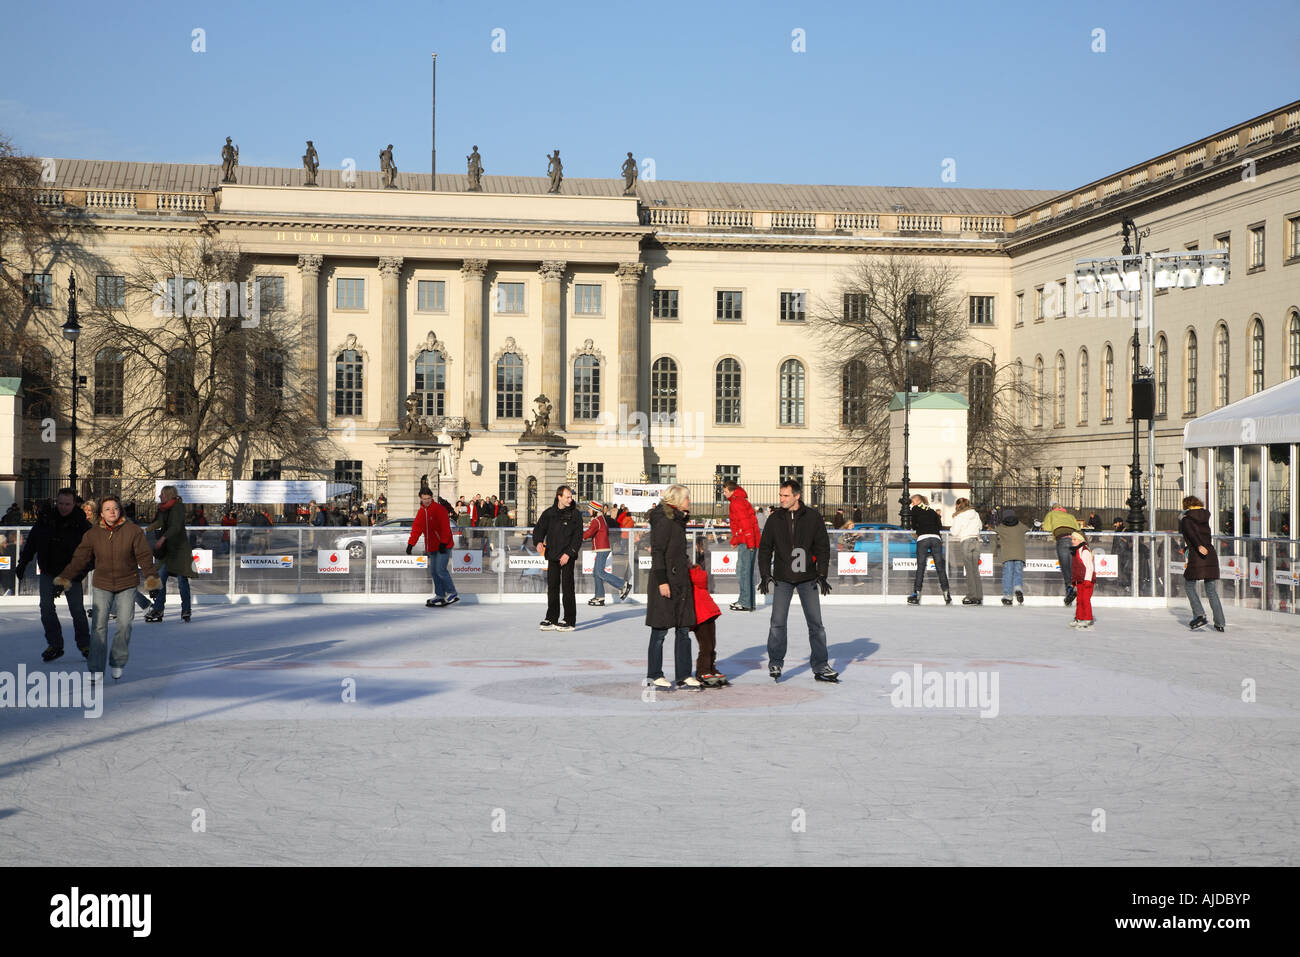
<point>706,615</point>
<point>1084,575</point>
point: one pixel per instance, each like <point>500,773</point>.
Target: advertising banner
<point>195,491</point>
<point>267,491</point>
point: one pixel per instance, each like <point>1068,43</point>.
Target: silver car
<point>386,538</point>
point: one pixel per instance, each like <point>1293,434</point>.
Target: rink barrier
<point>305,564</point>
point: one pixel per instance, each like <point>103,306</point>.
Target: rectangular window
<point>1020,308</point>
<point>981,310</point>
<point>730,302</point>
<point>663,304</point>
<point>271,292</point>
<point>586,299</point>
<point>1039,314</point>
<point>1105,476</point>
<point>793,306</point>
<point>1224,241</point>
<point>39,288</point>
<point>508,481</point>
<point>1060,299</point>
<point>666,474</point>
<point>725,473</point>
<point>855,307</point>
<point>855,485</point>
<point>110,292</point>
<point>347,470</point>
<point>793,472</point>
<point>431,295</point>
<point>1257,247</point>
<point>510,297</point>
<point>591,480</point>
<point>350,293</point>
<point>266,470</point>
<point>1293,238</point>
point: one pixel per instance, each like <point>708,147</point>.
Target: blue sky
<point>883,94</point>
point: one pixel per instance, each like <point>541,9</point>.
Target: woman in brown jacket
<point>1202,562</point>
<point>120,552</point>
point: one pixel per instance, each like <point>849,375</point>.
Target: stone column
<point>390,404</point>
<point>312,365</point>
<point>629,355</point>
<point>471,273</point>
<point>552,274</point>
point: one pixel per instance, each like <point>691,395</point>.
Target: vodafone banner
<point>986,564</point>
<point>1106,566</point>
<point>1230,568</point>
<point>331,562</point>
<point>464,560</point>
<point>723,563</point>
<point>855,563</point>
<point>589,562</point>
<point>202,560</point>
<point>1256,574</point>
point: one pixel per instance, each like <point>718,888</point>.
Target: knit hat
<point>595,506</point>
<point>1009,516</point>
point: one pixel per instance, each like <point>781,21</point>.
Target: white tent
<point>1271,417</point>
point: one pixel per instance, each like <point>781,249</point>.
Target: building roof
<point>1265,418</point>
<point>930,400</point>
<point>198,178</point>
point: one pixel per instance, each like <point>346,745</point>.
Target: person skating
<point>706,620</point>
<point>1060,524</point>
<point>431,522</point>
<point>598,534</point>
<point>175,557</point>
<point>120,553</point>
<point>1011,547</point>
<point>926,525</point>
<point>52,542</point>
<point>965,535</point>
<point>796,551</point>
<point>1083,570</point>
<point>745,536</point>
<point>558,536</point>
<point>1202,563</point>
<point>670,598</point>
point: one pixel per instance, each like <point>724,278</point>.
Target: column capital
<point>310,263</point>
<point>630,273</point>
<point>390,265</point>
<point>553,271</point>
<point>473,268</point>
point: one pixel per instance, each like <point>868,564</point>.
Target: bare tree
<point>196,368</point>
<point>862,328</point>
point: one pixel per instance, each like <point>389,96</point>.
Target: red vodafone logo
<point>333,557</point>
<point>194,557</point>
<point>853,560</point>
<point>726,559</point>
<point>467,558</point>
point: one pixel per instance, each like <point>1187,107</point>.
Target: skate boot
<point>914,599</point>
<point>1020,596</point>
<point>597,602</point>
<point>1006,601</point>
<point>947,598</point>
<point>625,590</point>
<point>1200,621</point>
<point>774,672</point>
<point>827,674</point>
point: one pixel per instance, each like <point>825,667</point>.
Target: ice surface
<point>476,739</point>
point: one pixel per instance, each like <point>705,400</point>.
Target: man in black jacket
<point>558,537</point>
<point>52,540</point>
<point>926,525</point>
<point>795,538</point>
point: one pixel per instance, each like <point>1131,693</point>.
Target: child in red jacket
<point>706,615</point>
<point>1084,580</point>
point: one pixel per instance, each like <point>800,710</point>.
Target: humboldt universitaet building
<point>691,298</point>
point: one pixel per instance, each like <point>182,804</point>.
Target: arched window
<point>1108,385</point>
<point>347,383</point>
<point>1189,406</point>
<point>109,365</point>
<point>38,383</point>
<point>726,392</point>
<point>510,386</point>
<point>179,384</point>
<point>792,392</point>
<point>1257,356</point>
<point>268,380</point>
<point>1058,407</point>
<point>663,389</point>
<point>586,387</point>
<point>1083,386</point>
<point>1038,392</point>
<point>1162,377</point>
<point>431,382</point>
<point>1293,347</point>
<point>1221,348</point>
<point>853,393</point>
<point>979,391</point>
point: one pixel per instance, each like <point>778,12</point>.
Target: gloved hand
<point>21,570</point>
<point>824,585</point>
<point>762,586</point>
<point>442,549</point>
<point>408,549</point>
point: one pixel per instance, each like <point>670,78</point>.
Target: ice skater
<point>670,599</point>
<point>52,542</point>
<point>1084,577</point>
<point>796,551</point>
<point>431,521</point>
<point>745,534</point>
<point>172,549</point>
<point>706,619</point>
<point>1202,563</point>
<point>1011,547</point>
<point>926,525</point>
<point>598,534</point>
<point>558,536</point>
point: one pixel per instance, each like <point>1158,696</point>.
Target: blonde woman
<point>965,535</point>
<point>670,600</point>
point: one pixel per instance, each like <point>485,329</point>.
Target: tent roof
<point>930,400</point>
<point>1265,418</point>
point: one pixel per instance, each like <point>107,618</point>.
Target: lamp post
<point>911,343</point>
<point>71,332</point>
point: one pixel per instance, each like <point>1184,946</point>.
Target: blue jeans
<point>50,613</point>
<point>745,576</point>
<point>122,602</point>
<point>681,653</point>
<point>601,576</point>
<point>1013,577</point>
<point>439,563</point>
<point>1212,593</point>
<point>158,604</point>
<point>1063,556</point>
<point>810,601</point>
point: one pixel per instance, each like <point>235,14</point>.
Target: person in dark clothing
<point>670,595</point>
<point>558,535</point>
<point>1122,546</point>
<point>13,516</point>
<point>173,554</point>
<point>52,542</point>
<point>796,551</point>
<point>857,514</point>
<point>1202,563</point>
<point>929,544</point>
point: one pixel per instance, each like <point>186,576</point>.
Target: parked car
<point>868,537</point>
<point>386,538</point>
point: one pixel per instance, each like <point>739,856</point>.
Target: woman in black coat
<point>1202,562</point>
<point>670,600</point>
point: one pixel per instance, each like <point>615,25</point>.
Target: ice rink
<point>476,739</point>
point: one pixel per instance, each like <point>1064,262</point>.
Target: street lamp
<point>911,343</point>
<point>71,332</point>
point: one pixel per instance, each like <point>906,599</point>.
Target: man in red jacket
<point>431,521</point>
<point>744,536</point>
<point>598,534</point>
